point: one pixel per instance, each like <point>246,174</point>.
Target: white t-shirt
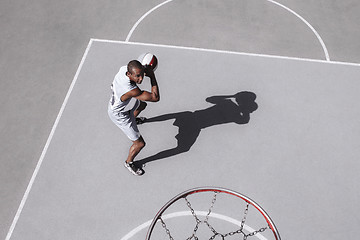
<point>119,87</point>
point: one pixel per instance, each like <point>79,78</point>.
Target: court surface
<point>283,132</point>
<point>275,120</point>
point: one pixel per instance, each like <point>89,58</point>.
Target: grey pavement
<point>285,136</point>
<point>43,42</point>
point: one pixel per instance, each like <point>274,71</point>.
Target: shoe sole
<point>132,171</point>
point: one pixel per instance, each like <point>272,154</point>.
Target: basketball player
<point>128,101</point>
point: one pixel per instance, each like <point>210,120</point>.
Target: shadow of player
<point>226,109</point>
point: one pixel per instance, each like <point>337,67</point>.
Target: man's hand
<point>149,72</point>
<point>154,95</point>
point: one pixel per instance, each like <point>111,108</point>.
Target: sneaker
<point>140,120</point>
<point>133,169</point>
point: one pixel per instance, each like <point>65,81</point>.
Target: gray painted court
<point>295,154</point>
<point>291,155</point>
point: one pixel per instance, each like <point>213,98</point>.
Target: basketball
<point>148,59</point>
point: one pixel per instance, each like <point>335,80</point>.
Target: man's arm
<point>153,96</point>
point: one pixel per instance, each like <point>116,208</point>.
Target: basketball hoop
<point>213,225</point>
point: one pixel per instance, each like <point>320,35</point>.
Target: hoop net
<point>212,213</point>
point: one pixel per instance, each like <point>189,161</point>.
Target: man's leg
<point>135,149</point>
<point>141,107</point>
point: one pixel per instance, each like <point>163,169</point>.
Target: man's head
<point>135,71</point>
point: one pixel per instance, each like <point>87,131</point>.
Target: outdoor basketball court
<point>282,131</point>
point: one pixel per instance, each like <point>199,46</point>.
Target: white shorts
<point>126,121</point>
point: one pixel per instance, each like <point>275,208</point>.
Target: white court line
<point>225,51</point>
<point>144,16</point>
<point>327,57</point>
<point>187,213</point>
<point>309,25</point>
<point>37,168</point>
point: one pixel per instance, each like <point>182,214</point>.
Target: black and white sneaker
<point>133,169</point>
<point>140,120</point>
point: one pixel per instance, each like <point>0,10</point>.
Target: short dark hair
<point>134,64</point>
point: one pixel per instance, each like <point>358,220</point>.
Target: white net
<point>212,215</point>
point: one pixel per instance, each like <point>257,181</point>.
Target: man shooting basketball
<point>128,101</point>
